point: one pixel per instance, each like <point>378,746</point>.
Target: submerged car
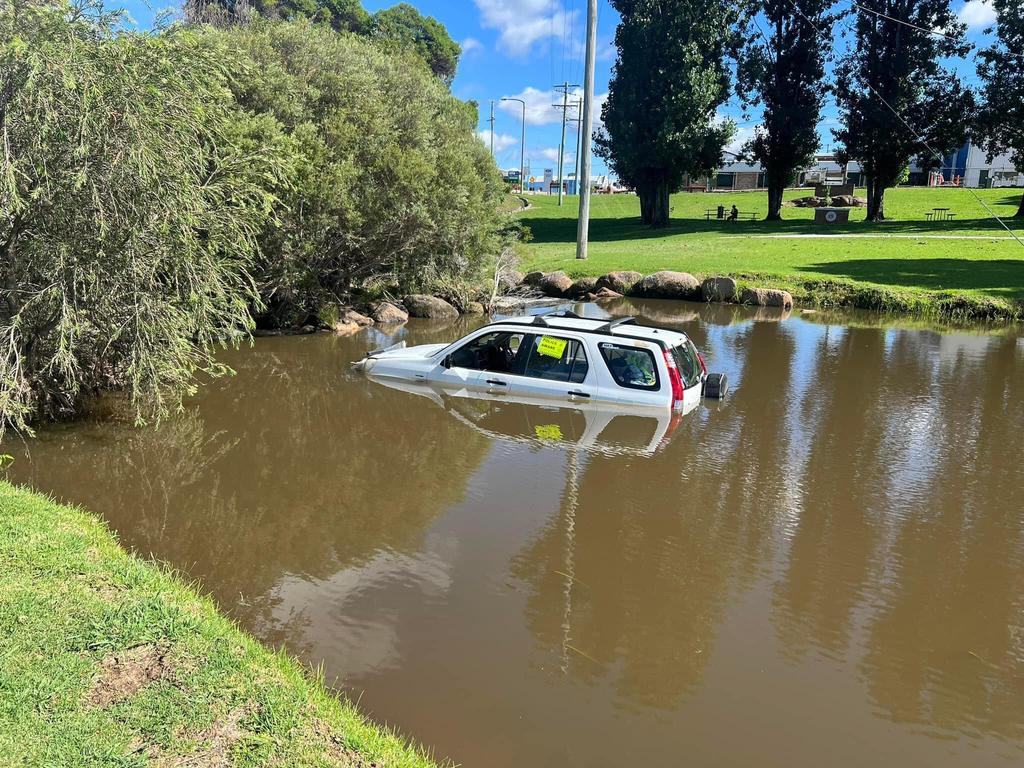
<point>560,357</point>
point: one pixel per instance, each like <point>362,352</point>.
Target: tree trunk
<point>876,202</point>
<point>775,190</point>
<point>1020,209</point>
<point>654,200</point>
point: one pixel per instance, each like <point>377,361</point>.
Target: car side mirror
<point>447,362</point>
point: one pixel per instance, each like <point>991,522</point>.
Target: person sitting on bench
<point>734,213</point>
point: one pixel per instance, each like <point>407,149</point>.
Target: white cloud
<point>521,23</point>
<point>471,45</point>
<point>540,109</point>
<point>977,13</point>
<point>548,153</point>
<point>502,141</point>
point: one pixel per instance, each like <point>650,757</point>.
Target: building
<point>971,167</point>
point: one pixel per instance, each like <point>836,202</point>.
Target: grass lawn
<point>907,257</point>
<point>107,660</point>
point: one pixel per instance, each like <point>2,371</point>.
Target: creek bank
<point>782,291</point>
<point>108,654</point>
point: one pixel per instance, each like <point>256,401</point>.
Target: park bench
<point>711,213</point>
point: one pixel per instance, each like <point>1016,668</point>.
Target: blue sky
<point>522,48</point>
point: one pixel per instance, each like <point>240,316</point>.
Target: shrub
<point>131,197</point>
<point>388,183</point>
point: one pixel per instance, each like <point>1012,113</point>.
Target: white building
<point>971,164</point>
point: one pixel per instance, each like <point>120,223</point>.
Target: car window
<point>495,352</point>
<point>687,363</point>
<point>630,366</point>
<point>556,359</point>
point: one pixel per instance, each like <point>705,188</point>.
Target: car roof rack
<point>613,324</point>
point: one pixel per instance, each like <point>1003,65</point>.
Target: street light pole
<point>491,121</point>
<point>587,120</point>
<point>522,146</point>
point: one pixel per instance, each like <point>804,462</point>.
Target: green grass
<point>903,266</point>
<point>72,601</point>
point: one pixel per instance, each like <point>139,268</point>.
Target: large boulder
<point>387,313</point>
<point>848,201</point>
<point>767,297</point>
<point>474,308</point>
<point>718,289</point>
<point>583,286</point>
<point>533,278</point>
<point>668,285</point>
<point>555,284</point>
<point>510,280</point>
<point>808,202</point>
<point>421,305</point>
<point>620,282</point>
<point>603,293</point>
<point>351,316</point>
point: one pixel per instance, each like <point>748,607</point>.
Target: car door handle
<point>497,382</point>
<point>577,393</point>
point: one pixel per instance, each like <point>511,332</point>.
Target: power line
<point>934,32</point>
<point>913,130</point>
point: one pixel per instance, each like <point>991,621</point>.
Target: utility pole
<point>583,225</point>
<point>522,146</point>
<point>491,121</point>
<point>564,106</point>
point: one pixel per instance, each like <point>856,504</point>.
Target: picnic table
<point>725,215</point>
<point>940,214</point>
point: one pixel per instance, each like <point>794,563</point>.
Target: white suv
<point>561,357</point>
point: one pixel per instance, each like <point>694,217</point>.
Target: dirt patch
<point>215,744</point>
<point>122,674</point>
<point>335,749</point>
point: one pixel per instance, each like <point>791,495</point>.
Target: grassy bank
<point>966,268</point>
<point>108,660</point>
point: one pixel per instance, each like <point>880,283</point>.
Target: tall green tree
<point>131,199</point>
<point>782,70</point>
<point>896,100</point>
<point>404,26</point>
<point>671,76</point>
<point>1002,73</point>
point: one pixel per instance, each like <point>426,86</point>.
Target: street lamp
<point>522,146</point>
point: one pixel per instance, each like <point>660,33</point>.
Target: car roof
<point>622,327</point>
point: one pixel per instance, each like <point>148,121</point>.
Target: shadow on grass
<point>563,230</point>
<point>996,277</point>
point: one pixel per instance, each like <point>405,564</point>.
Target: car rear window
<point>631,367</point>
<point>687,363</point>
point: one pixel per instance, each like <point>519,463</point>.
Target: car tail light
<point>674,378</point>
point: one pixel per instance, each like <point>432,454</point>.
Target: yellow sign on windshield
<point>552,347</point>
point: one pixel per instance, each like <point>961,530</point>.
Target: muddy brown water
<point>825,569</point>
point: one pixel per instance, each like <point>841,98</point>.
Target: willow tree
<point>671,76</point>
<point>1002,74</point>
<point>130,202</point>
<point>783,72</point>
<point>896,101</point>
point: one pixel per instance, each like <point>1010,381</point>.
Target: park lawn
<point>108,660</point>
<point>905,255</point>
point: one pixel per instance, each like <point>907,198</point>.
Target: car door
<point>481,365</point>
<point>555,366</point>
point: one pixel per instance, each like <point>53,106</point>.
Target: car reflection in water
<point>599,428</point>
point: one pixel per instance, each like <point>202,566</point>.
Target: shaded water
<point>826,569</point>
